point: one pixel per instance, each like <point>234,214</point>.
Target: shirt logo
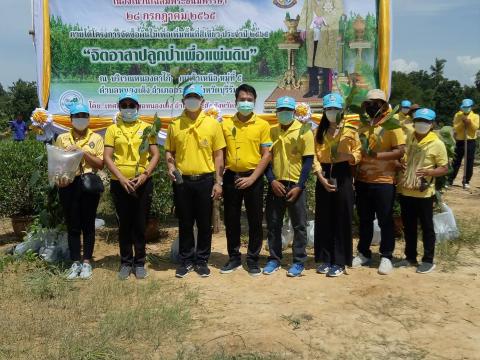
<point>91,145</point>
<point>204,143</point>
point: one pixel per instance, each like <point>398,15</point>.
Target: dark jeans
<point>414,209</point>
<point>375,199</point>
<point>80,209</point>
<point>193,203</point>
<point>297,211</point>
<point>313,73</point>
<point>333,217</point>
<point>233,198</point>
<point>132,215</point>
<point>459,154</point>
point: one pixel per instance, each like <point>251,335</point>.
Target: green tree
<point>477,80</point>
<point>22,98</point>
<point>437,70</point>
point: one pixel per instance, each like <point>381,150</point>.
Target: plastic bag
<point>55,246</point>
<point>62,165</point>
<point>287,235</point>
<point>445,225</point>
<point>310,233</point>
<point>31,243</point>
<point>377,235</point>
<point>175,249</point>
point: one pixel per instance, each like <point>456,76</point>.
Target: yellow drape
<point>384,44</point>
<point>46,55</point>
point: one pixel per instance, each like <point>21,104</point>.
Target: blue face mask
<point>129,115</point>
<point>245,107</point>
<point>467,110</point>
<point>285,117</point>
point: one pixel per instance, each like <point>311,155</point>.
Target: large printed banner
<point>91,50</point>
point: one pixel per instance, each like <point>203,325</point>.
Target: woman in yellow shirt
<point>131,184</point>
<point>80,206</point>
<point>426,159</point>
<point>337,149</point>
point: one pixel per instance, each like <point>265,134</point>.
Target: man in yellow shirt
<point>194,153</point>
<point>426,159</point>
<point>465,121</point>
<point>247,155</point>
<point>375,184</point>
<point>293,153</point>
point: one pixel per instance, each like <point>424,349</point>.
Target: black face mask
<point>372,109</point>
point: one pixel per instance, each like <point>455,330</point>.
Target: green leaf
<point>144,146</point>
<point>305,128</point>
<point>234,132</point>
<point>157,123</point>
<point>390,123</point>
<point>34,179</point>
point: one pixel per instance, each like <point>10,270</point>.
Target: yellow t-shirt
<point>288,148</point>
<point>91,143</point>
<point>433,153</point>
<point>459,127</point>
<point>371,170</point>
<point>349,143</point>
<point>125,139</point>
<point>406,121</point>
<point>245,142</point>
<point>193,142</point>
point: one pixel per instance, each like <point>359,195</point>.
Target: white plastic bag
<point>310,233</point>
<point>175,249</point>
<point>445,225</point>
<point>287,234</point>
<point>62,165</point>
<point>377,236</point>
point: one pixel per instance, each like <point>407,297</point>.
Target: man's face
<point>245,96</point>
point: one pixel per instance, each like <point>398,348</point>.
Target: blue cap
<point>286,102</point>
<point>128,95</point>
<point>406,103</point>
<point>466,103</point>
<point>193,89</point>
<point>333,100</point>
<point>79,108</point>
<point>425,114</point>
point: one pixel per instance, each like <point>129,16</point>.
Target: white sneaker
<point>385,267</point>
<point>86,272</point>
<point>74,271</point>
<point>466,186</point>
<point>360,260</point>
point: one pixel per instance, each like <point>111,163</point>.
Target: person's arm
<point>94,161</point>
<point>437,172</point>
<point>396,153</point>
<point>154,160</point>
<point>170,160</point>
<point>219,169</point>
<point>246,182</point>
<point>307,162</point>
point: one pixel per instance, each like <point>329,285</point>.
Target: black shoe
<point>202,269</point>
<point>254,270</point>
<point>230,266</point>
<point>183,270</point>
<point>310,94</point>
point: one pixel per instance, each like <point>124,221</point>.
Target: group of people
<point>208,160</point>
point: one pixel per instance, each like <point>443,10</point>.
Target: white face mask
<point>405,110</point>
<point>422,128</point>
<point>332,115</point>
<point>80,124</point>
<point>192,104</point>
<point>129,115</point>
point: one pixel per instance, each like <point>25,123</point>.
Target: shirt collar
<point>249,121</point>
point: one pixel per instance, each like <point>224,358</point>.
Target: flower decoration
<point>41,120</point>
<point>214,112</point>
<point>303,113</point>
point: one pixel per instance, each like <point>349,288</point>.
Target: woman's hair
<point>323,127</point>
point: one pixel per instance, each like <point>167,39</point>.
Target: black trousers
<point>80,209</point>
<point>233,199</point>
<point>414,209</point>
<point>313,73</point>
<point>193,203</point>
<point>459,154</point>
<point>375,199</point>
<point>333,217</point>
<point>132,214</point>
<point>297,211</point>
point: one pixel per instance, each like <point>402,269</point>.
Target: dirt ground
<point>358,316</point>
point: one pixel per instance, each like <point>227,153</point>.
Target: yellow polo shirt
<point>91,143</point>
<point>245,142</point>
<point>435,155</point>
<point>371,170</point>
<point>459,127</point>
<point>193,142</point>
<point>288,148</point>
<point>125,139</point>
<point>348,143</point>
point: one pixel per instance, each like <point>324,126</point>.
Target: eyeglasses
<point>128,106</point>
<point>80,116</point>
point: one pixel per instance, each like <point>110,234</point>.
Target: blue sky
<point>422,30</point>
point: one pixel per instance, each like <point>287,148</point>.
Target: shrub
<point>162,200</point>
<point>18,162</point>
